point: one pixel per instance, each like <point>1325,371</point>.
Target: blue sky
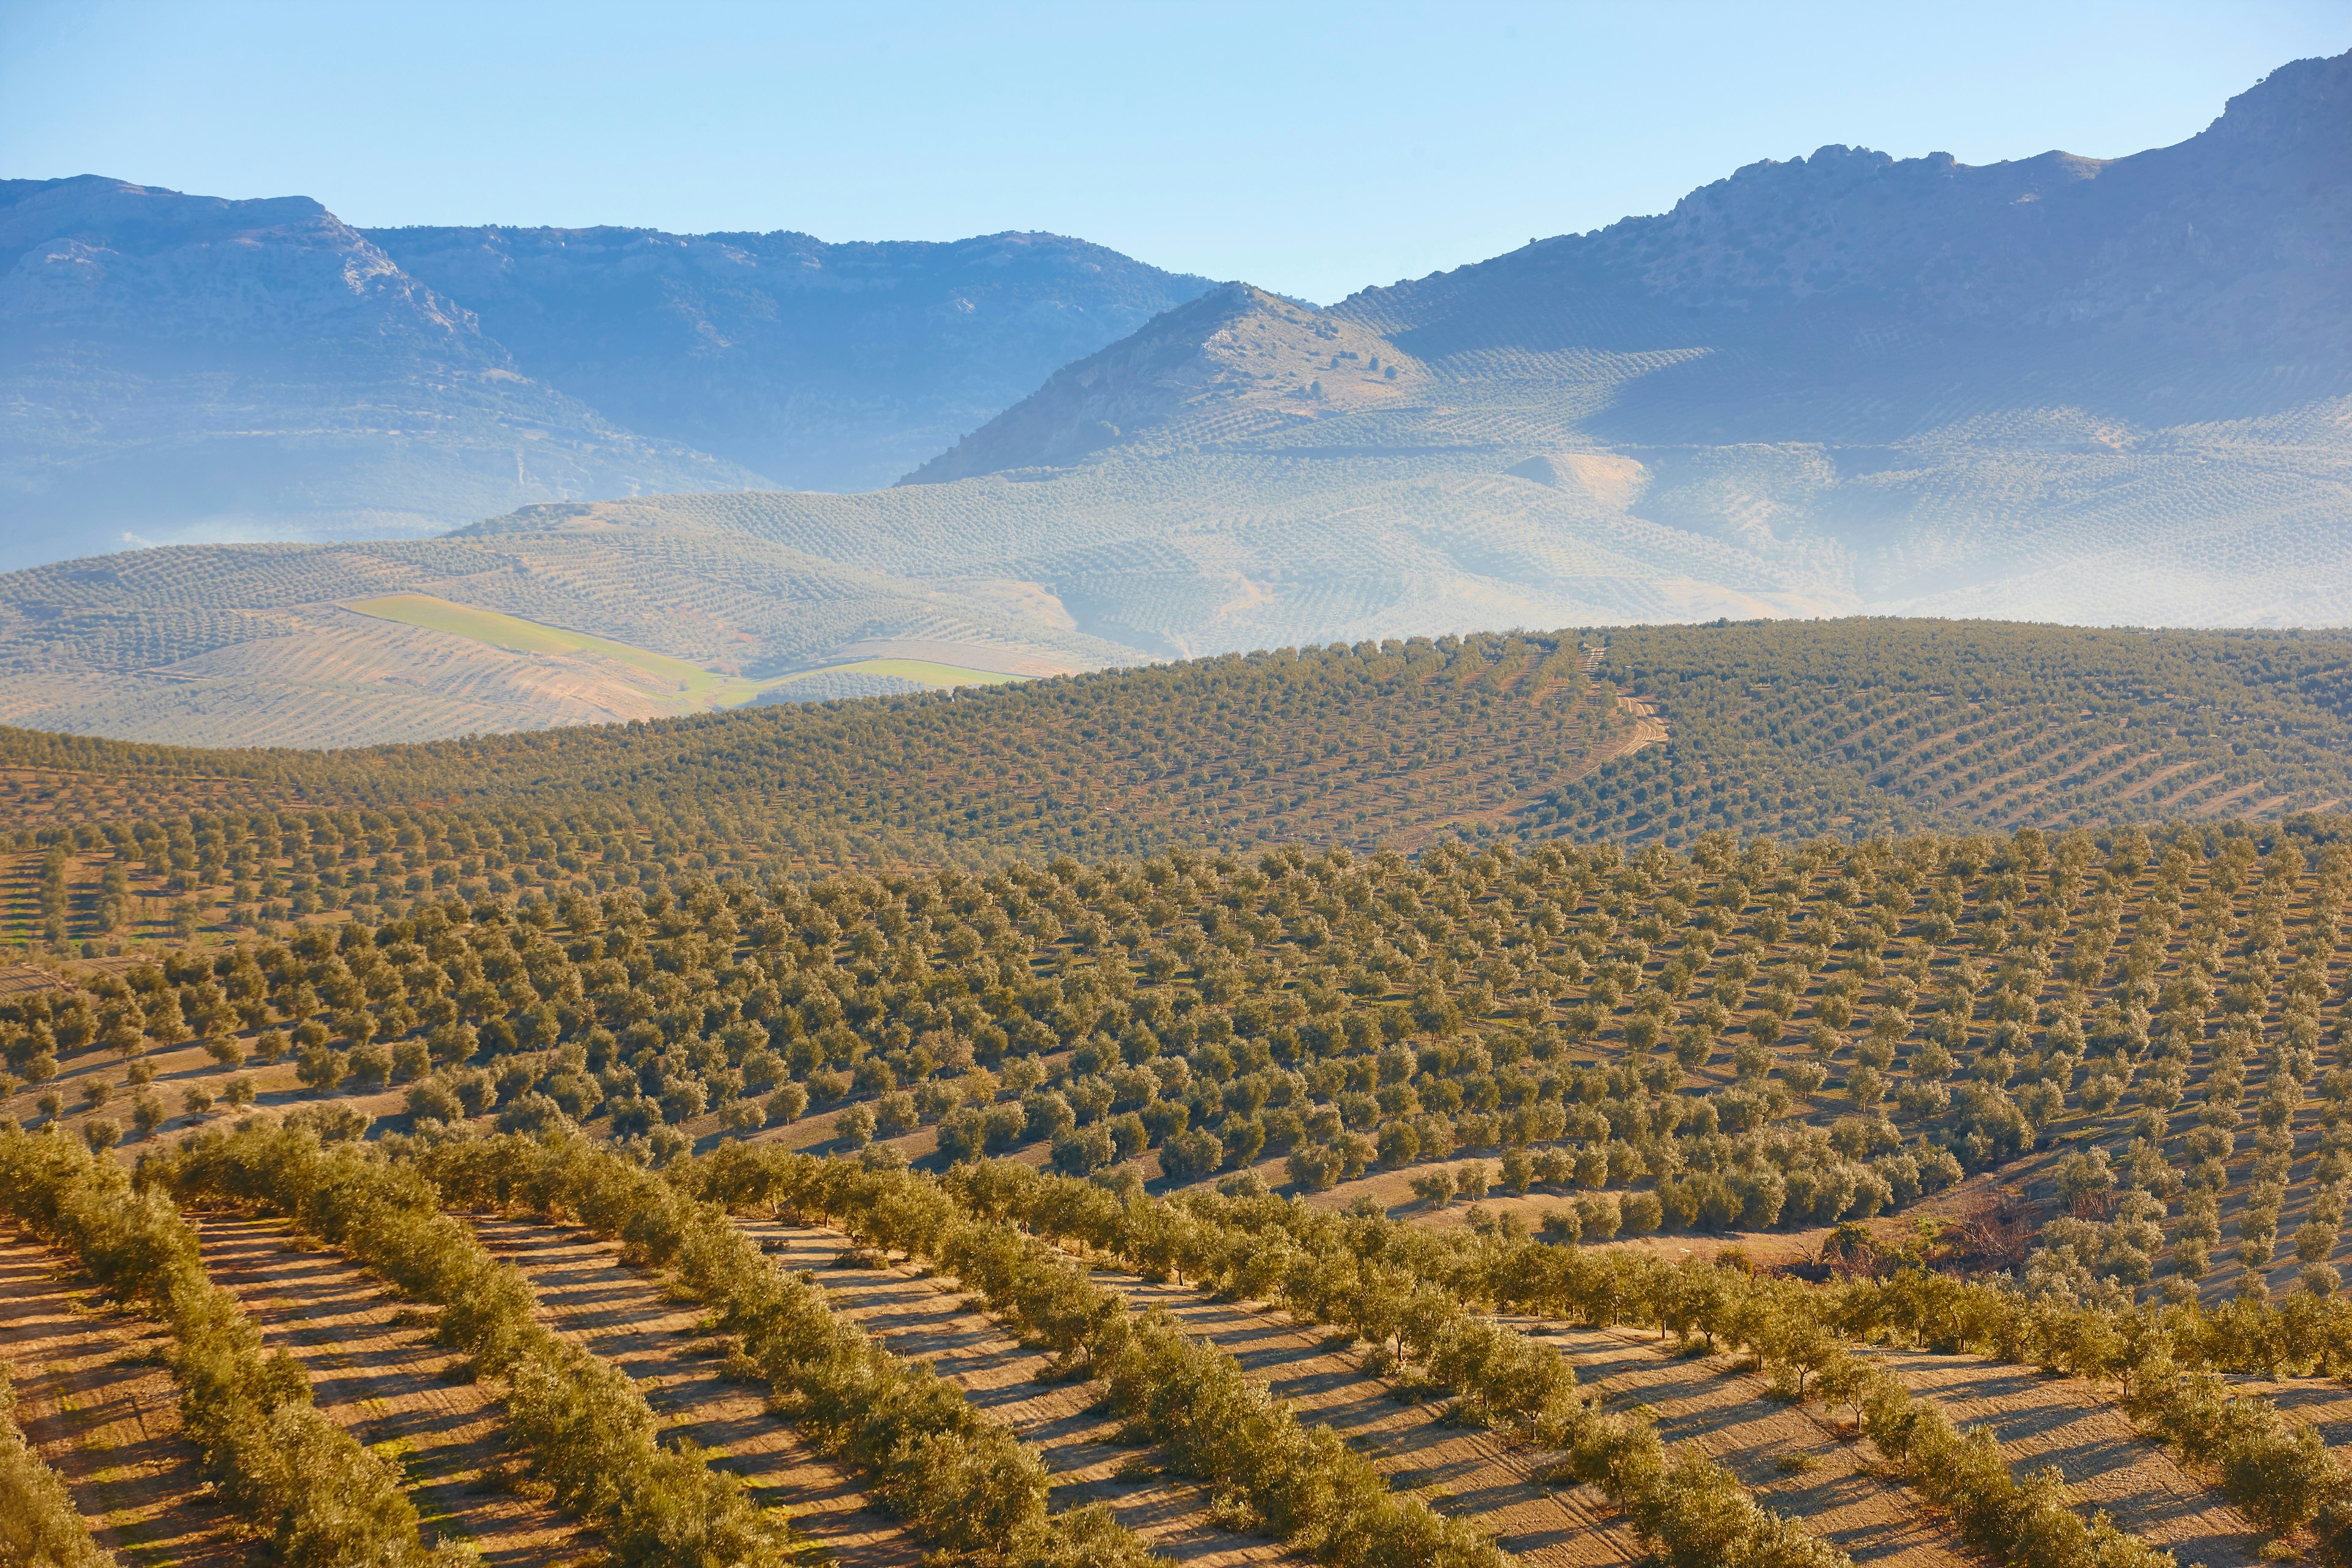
<point>1312,149</point>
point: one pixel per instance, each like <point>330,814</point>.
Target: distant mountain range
<point>827,367</point>
<point>2057,389</point>
<point>177,368</point>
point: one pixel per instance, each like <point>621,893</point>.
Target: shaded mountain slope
<point>1836,295</point>
<point>178,366</point>
<point>820,366</point>
<point>2059,388</point>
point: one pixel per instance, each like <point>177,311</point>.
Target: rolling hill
<point>1794,728</point>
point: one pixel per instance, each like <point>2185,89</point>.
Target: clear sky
<point>1312,149</point>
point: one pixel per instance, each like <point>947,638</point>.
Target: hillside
<point>1751,1038</point>
<point>185,367</point>
<point>2058,389</point>
<point>1237,360</point>
<point>278,645</point>
<point>825,367</point>
<point>2062,389</point>
<point>1652,733</point>
<point>1774,1111</point>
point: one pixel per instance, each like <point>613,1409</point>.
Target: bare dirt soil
<point>588,1296</point>
<point>1791,1456</point>
<point>921,1319</point>
<point>1473,1473</point>
<point>380,1375</point>
<point>2042,1420</point>
<point>96,1403</point>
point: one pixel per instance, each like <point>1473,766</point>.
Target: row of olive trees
<point>587,1429</point>
<point>298,1479</point>
<point>1429,1296</point>
<point>39,1526</point>
<point>1223,1427</point>
<point>960,1480</point>
<point>1300,1483</point>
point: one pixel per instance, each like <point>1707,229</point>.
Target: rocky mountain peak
<point>1236,362</point>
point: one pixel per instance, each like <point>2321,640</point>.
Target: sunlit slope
<point>683,687</point>
<point>269,645</point>
<point>1662,733</point>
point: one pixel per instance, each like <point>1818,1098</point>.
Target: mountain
<point>821,366</point>
<point>1234,361</point>
<point>2059,389</point>
<point>177,366</point>
<point>2171,283</point>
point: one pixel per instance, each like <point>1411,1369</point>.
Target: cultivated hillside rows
<point>374,1369</point>
<point>98,1407</point>
<point>1856,728</point>
<point>1771,1056</point>
<point>585,1294</point>
<point>1797,1456</point>
<point>251,641</point>
<point>921,1319</point>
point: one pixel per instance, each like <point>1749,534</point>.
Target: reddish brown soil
<point>96,1403</point>
<point>586,1295</point>
<point>921,1319</point>
<point>383,1381</point>
<point>2065,1422</point>
<point>1461,1472</point>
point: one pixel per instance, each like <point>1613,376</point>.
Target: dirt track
<point>97,1405</point>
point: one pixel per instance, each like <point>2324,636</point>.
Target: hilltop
<point>1234,362</point>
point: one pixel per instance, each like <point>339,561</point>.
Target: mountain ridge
<point>1728,411</point>
<point>712,339</point>
<point>198,368</point>
<point>201,366</point>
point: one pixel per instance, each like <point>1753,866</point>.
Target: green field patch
<point>695,686</point>
<point>922,670</point>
